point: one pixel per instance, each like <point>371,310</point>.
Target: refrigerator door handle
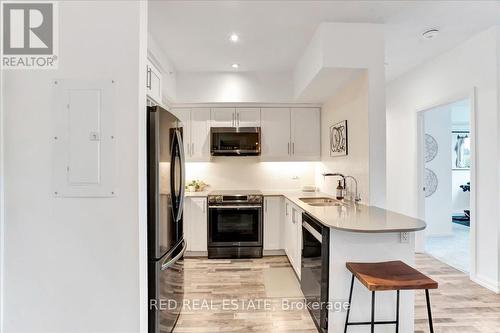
<point>168,264</point>
<point>183,176</point>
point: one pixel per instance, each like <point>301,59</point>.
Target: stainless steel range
<point>235,224</point>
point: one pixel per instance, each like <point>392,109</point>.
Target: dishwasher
<point>315,269</point>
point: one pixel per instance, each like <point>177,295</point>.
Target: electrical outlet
<point>405,237</point>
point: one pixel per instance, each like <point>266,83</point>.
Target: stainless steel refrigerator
<point>166,244</point>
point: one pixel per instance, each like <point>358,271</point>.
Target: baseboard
<point>486,283</point>
<point>274,253</point>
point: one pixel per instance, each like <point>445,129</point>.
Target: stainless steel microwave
<point>235,141</point>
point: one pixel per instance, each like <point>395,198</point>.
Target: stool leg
<point>429,314</point>
<point>373,312</point>
<point>349,308</point>
<point>397,311</point>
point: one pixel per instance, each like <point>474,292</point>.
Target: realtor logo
<point>29,35</point>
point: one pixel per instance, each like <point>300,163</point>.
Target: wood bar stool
<point>391,275</point>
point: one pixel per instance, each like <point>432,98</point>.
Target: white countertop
<point>348,217</point>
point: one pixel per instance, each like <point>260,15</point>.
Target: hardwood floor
<point>459,305</point>
<point>224,280</point>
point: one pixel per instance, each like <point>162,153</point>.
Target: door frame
<point>420,236</point>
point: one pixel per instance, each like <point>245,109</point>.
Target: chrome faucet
<point>357,197</point>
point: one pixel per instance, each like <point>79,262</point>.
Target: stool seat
<point>390,275</point>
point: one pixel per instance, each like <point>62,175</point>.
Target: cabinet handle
<point>192,149</point>
<point>286,209</point>
<point>238,119</point>
<point>148,78</point>
<point>234,122</point>
<point>288,148</point>
<point>293,148</point>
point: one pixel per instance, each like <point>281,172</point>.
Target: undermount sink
<point>321,201</point>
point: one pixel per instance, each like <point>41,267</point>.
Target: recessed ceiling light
<point>430,33</point>
<point>235,66</point>
<point>234,38</point>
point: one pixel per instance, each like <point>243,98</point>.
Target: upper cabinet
<point>291,134</point>
<point>153,82</point>
<point>195,125</point>
<point>223,117</point>
<point>248,117</point>
<point>235,117</point>
<point>305,134</point>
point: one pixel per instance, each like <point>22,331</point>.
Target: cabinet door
<point>200,134</point>
<point>275,134</point>
<point>153,83</point>
<point>198,224</point>
<point>289,233</point>
<point>187,224</point>
<point>184,116</point>
<point>272,219</point>
<point>248,117</point>
<point>297,239</point>
<point>305,134</point>
<point>223,117</point>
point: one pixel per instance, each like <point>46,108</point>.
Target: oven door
<point>234,226</point>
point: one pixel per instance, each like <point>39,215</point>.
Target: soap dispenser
<point>340,191</point>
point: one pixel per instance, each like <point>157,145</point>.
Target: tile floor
<point>453,250</point>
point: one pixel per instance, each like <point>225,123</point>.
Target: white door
<point>305,134</point>
<point>184,116</point>
<point>223,117</point>
<point>275,134</point>
<point>298,240</point>
<point>200,134</point>
<point>248,117</point>
<point>187,225</point>
<point>272,223</point>
<point>198,224</point>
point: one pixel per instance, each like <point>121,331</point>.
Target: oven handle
<point>312,231</point>
<point>235,206</point>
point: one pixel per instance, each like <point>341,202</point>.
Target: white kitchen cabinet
<point>272,223</point>
<point>248,117</point>
<point>223,117</point>
<point>195,223</point>
<point>275,134</point>
<point>153,82</point>
<point>290,134</point>
<point>195,125</point>
<point>200,135</point>
<point>292,231</point>
<point>305,134</point>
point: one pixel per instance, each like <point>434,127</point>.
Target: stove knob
<point>218,198</point>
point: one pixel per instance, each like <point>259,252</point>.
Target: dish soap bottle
<point>340,191</point>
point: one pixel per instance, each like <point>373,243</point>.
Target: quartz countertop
<point>356,217</point>
<point>350,216</point>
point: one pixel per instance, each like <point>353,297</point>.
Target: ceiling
<point>273,34</point>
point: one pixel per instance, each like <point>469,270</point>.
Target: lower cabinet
<point>195,223</point>
<point>292,232</point>
<point>272,223</point>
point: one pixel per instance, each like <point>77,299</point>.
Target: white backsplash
<point>251,173</point>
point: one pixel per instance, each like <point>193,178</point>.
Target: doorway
<point>446,142</point>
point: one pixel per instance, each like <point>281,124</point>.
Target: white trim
<point>420,236</point>
<point>2,204</point>
<point>241,105</point>
<point>486,283</point>
<point>142,217</point>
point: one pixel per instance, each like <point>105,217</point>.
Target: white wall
<point>351,104</point>
<point>437,123</point>
<point>444,79</point>
<point>234,87</point>
<point>249,173</point>
<point>72,264</point>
